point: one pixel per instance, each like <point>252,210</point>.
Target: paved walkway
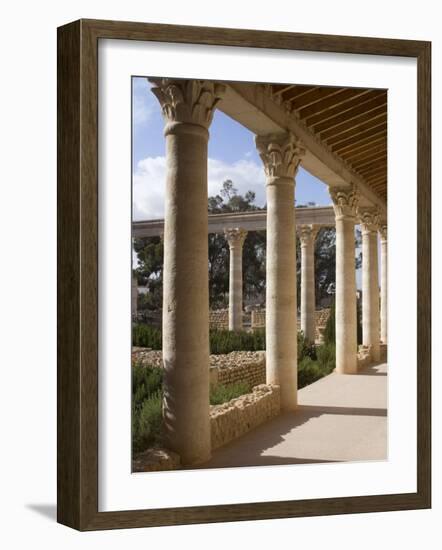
<point>339,418</point>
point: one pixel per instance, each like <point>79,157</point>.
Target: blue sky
<point>232,155</point>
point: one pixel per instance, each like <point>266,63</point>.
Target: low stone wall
<point>230,368</point>
<point>234,367</point>
<point>237,417</point>
<point>219,319</point>
<point>155,460</point>
<point>258,318</point>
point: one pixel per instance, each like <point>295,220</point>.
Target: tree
<point>149,271</point>
<point>228,200</point>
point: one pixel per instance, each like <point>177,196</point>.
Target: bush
<point>330,327</point>
<point>147,422</point>
<point>221,394</point>
<point>225,341</point>
<point>326,355</point>
<point>305,348</point>
<point>146,381</point>
<point>146,336</point>
<point>146,406</point>
<point>308,372</point>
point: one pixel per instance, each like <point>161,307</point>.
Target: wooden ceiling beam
<point>368,147</point>
<point>278,89</point>
<point>374,171</point>
<point>356,122</point>
<point>351,123</point>
<point>339,99</point>
<point>379,157</point>
<point>353,144</point>
<point>367,152</point>
<point>337,110</point>
<point>346,115</point>
<point>362,129</point>
<point>311,97</point>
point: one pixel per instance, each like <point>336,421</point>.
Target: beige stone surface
<point>281,156</point>
<point>384,283</point>
<point>307,236</point>
<point>154,460</point>
<point>238,416</point>
<point>345,201</point>
<point>370,281</point>
<point>235,237</point>
<point>187,107</point>
<point>339,418</point>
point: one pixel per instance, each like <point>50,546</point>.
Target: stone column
<point>307,236</point>
<point>345,200</point>
<point>281,156</point>
<point>187,107</point>
<point>384,281</point>
<point>235,237</point>
<point>369,220</point>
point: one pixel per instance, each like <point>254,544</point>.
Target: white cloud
<point>149,183</point>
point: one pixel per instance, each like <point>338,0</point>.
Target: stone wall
<point>321,318</point>
<point>258,318</point>
<point>235,418</point>
<point>236,367</point>
<point>230,368</point>
<point>219,319</point>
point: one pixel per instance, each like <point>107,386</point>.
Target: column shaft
<point>235,238</point>
<point>370,282</point>
<point>308,306</point>
<point>187,107</point>
<point>345,201</point>
<point>281,157</point>
<point>384,284</point>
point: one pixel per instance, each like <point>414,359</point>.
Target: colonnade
<point>188,107</point>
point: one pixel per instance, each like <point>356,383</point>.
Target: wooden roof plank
<point>346,94</point>
<point>358,130</point>
<point>344,115</point>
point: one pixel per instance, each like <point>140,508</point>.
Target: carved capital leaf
<point>369,219</point>
<point>281,154</point>
<point>383,231</point>
<point>345,201</point>
<point>235,236</point>
<point>307,234</point>
<point>191,101</point>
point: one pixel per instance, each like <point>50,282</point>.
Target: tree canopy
<point>150,257</point>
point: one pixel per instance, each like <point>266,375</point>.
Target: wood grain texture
<point>77,225</point>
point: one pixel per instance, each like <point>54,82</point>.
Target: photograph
<point>259,274</point>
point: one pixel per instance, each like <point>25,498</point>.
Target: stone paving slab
<point>339,418</point>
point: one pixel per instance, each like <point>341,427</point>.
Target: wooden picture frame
<point>77,226</point>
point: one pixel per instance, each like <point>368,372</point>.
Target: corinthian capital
<point>345,201</point>
<point>307,234</point>
<point>369,219</point>
<point>383,231</point>
<point>280,153</point>
<point>191,101</point>
<point>235,236</point>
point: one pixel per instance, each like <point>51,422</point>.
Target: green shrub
<point>308,372</point>
<point>146,381</point>
<point>221,394</point>
<point>326,354</point>
<point>146,336</point>
<point>305,348</point>
<point>330,327</point>
<point>225,341</point>
<point>147,422</point>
